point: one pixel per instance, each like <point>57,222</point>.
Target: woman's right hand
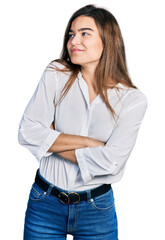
<point>91,142</point>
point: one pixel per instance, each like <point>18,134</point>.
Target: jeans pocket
<point>104,202</point>
<point>36,193</point>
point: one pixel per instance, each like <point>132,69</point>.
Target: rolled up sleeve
<point>34,129</point>
<point>111,158</point>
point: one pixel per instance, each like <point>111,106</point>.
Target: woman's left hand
<point>52,126</point>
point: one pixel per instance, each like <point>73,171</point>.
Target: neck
<point>88,74</point>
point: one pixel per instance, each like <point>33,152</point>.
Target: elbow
<point>20,133</point>
<point>117,157</point>
<point>20,137</point>
<point>116,162</point>
<point>23,132</point>
<point>120,164</point>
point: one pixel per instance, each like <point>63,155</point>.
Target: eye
<point>71,35</point>
<point>85,34</point>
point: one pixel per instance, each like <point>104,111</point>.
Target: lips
<point>74,50</point>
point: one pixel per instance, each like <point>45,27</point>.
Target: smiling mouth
<point>75,50</point>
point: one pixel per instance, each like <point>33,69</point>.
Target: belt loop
<point>88,195</point>
<point>48,192</point>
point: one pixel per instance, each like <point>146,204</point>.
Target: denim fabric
<point>48,218</point>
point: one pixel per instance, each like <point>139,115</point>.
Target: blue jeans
<point>48,218</point>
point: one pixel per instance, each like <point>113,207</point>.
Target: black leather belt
<point>71,197</point>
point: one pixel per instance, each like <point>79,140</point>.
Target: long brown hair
<point>112,68</point>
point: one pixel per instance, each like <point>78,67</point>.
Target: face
<point>84,45</point>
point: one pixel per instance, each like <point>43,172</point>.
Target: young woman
<point>81,124</point>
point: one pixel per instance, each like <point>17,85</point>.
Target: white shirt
<point>76,115</point>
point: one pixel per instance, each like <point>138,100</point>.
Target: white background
<point>31,36</point>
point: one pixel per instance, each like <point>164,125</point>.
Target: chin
<point>76,61</point>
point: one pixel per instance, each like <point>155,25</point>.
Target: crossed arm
<point>66,144</point>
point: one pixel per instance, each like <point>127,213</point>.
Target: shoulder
<point>55,74</point>
<point>136,97</point>
<point>55,65</point>
<point>124,96</point>
<point>131,95</point>
<point>134,103</point>
<point>127,100</point>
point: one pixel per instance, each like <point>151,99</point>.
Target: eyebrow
<point>82,29</point>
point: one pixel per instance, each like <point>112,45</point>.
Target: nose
<point>76,40</point>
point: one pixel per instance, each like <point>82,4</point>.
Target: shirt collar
<point>84,89</point>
